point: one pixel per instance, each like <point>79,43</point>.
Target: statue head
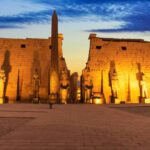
<point>36,75</point>
<point>64,75</point>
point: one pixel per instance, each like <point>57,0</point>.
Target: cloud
<point>136,20</point>
<point>16,7</point>
<point>134,14</point>
<point>18,21</point>
<point>9,26</point>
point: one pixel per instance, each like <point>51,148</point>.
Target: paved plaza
<point>74,127</point>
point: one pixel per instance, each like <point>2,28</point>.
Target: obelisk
<point>54,67</point>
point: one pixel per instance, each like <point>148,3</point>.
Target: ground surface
<point>71,127</point>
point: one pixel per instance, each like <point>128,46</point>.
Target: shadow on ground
<point>143,110</point>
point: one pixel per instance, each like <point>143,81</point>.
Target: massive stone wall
<point>20,58</point>
<point>118,68</point>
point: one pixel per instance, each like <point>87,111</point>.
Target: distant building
<point>117,71</point>
<point>27,64</point>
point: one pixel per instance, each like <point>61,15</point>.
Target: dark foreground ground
<point>71,127</point>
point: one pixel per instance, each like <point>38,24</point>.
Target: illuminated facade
<point>27,67</point>
<point>117,71</point>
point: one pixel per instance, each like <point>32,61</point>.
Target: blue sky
<point>77,18</point>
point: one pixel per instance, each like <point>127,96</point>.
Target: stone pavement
<point>74,127</point>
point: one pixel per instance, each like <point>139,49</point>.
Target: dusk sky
<point>77,19</point>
